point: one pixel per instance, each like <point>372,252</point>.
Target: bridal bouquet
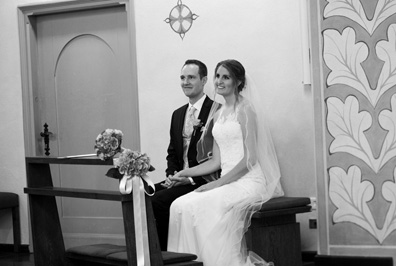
<point>133,163</point>
<point>108,143</point>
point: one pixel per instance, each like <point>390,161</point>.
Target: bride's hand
<point>208,186</point>
<point>167,183</point>
<point>179,180</point>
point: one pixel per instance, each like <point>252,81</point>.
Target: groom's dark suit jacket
<point>175,149</point>
<point>163,198</point>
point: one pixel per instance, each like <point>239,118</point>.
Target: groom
<point>185,131</point>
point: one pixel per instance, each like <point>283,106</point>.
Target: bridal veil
<point>262,151</point>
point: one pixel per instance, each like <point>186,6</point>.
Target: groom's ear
<point>204,80</point>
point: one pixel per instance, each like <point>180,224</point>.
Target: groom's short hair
<point>203,70</point>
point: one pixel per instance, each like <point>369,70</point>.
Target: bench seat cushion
<point>8,200</point>
<point>118,254</point>
<point>283,205</point>
<point>167,256</point>
<point>98,250</point>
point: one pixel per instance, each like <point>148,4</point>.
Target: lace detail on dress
<point>228,134</point>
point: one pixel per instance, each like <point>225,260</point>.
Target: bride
<point>212,220</point>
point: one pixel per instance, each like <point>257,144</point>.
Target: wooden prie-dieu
<point>48,243</point>
<point>273,234</point>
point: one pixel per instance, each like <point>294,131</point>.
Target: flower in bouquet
<point>133,163</point>
<point>108,143</point>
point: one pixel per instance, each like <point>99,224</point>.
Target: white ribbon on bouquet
<point>135,184</point>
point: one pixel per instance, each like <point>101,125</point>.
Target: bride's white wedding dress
<point>212,224</point>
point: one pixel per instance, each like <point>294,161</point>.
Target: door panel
<point>84,87</point>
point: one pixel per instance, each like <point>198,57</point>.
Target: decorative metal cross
<point>181,18</point>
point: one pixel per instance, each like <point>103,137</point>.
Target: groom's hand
<point>180,180</point>
<point>168,182</point>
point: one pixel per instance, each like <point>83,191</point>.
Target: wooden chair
<point>49,248</point>
<point>11,201</point>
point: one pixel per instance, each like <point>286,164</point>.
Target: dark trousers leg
<point>161,202</point>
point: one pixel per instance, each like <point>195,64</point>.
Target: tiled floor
<point>26,259</point>
<point>8,258</point>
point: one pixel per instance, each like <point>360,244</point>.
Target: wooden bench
<point>11,201</point>
<point>274,233</point>
<point>49,248</point>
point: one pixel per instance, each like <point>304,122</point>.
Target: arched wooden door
<point>84,81</point>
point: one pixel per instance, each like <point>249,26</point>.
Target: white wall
<point>12,166</point>
<point>264,35</point>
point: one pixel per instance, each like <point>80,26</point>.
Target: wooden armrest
<point>79,193</point>
<point>75,161</point>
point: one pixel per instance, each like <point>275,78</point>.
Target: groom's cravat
<point>187,132</point>
<point>189,125</point>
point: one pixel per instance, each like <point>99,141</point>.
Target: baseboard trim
<point>10,248</point>
<point>326,260</point>
<point>308,255</point>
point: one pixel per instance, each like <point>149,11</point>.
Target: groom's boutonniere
<point>197,124</point>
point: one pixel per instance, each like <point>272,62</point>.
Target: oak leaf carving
<point>344,57</point>
<point>347,125</point>
<point>354,10</point>
<point>386,51</point>
<point>350,195</point>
